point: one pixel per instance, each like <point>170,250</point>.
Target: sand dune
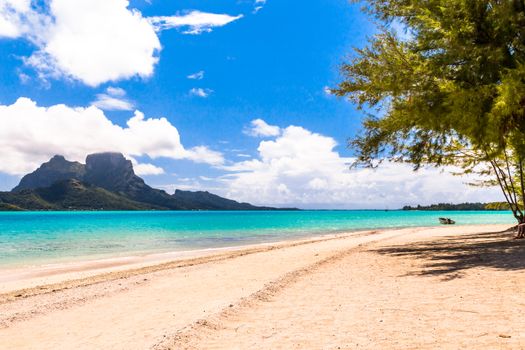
<point>424,288</point>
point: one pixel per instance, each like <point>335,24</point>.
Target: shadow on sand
<point>450,256</point>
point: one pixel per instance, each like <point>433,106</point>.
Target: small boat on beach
<point>446,221</point>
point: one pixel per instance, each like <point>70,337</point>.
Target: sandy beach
<point>416,288</point>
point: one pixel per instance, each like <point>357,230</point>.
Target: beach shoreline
<point>23,277</point>
<point>265,295</point>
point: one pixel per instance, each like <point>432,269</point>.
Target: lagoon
<point>32,238</point>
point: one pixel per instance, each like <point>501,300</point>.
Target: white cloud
<point>94,41</point>
<point>11,12</point>
<point>113,100</point>
<point>31,134</point>
<point>196,76</point>
<point>109,103</point>
<point>16,18</point>
<point>142,169</point>
<point>200,92</point>
<point>116,91</point>
<point>258,5</point>
<point>202,183</point>
<point>202,154</point>
<point>302,168</point>
<point>259,128</point>
<point>194,22</point>
<point>24,78</point>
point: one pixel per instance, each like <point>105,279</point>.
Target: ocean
<point>33,238</point>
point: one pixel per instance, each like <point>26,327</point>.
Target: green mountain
<point>210,201</point>
<point>70,195</point>
<point>106,182</point>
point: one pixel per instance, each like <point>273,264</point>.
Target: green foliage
<point>25,199</point>
<point>76,195</point>
<point>68,195</point>
<point>9,207</point>
<point>497,206</point>
<point>450,91</point>
<point>460,206</point>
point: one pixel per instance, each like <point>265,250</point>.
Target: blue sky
<point>226,96</point>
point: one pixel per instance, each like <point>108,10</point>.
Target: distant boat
<point>446,221</point>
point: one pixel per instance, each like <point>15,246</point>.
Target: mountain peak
<point>109,162</point>
<point>112,171</point>
<point>56,169</point>
<point>57,158</point>
<point>106,156</point>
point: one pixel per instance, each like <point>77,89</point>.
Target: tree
<point>450,90</point>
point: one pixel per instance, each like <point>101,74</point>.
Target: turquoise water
<point>28,238</point>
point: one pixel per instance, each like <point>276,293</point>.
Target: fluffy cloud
<point>113,100</point>
<point>259,128</point>
<point>302,168</point>
<point>200,92</point>
<point>31,134</point>
<point>194,22</point>
<point>146,168</point>
<point>94,41</point>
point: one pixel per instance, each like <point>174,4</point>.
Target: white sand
<point>398,289</point>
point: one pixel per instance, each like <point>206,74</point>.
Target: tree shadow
<point>449,257</point>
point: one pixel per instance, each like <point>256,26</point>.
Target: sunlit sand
<point>417,288</point>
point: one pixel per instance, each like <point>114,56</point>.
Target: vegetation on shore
<point>444,85</point>
<point>460,206</point>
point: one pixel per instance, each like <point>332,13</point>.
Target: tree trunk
<point>521,230</point>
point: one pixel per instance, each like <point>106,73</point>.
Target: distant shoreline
<point>240,210</point>
<point>494,206</point>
